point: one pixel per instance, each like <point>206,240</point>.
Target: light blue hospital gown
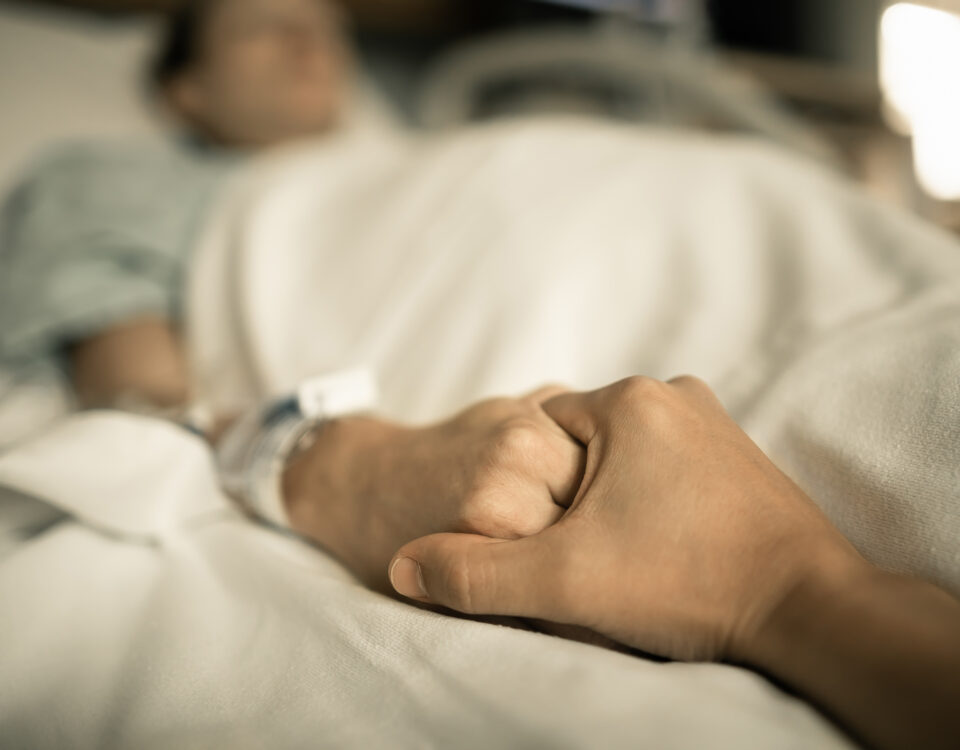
<point>98,234</point>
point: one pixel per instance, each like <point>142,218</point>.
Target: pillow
<point>69,75</point>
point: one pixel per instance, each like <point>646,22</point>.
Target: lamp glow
<point>920,78</point>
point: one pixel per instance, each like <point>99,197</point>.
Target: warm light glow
<point>920,77</point>
<point>919,57</point>
<point>936,153</point>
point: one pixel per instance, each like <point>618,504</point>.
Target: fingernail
<point>407,578</point>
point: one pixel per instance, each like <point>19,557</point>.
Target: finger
<point>546,392</point>
<point>547,515</point>
<point>534,504</point>
<point>575,413</point>
<point>513,511</point>
<point>478,575</point>
<point>551,516</point>
<point>562,471</point>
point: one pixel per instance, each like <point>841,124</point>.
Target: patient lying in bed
<point>639,512</point>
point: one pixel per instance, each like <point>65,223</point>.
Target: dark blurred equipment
<point>649,11</point>
<point>637,60</point>
<point>782,27</point>
<point>396,15</point>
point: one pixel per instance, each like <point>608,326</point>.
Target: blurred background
<point>868,86</point>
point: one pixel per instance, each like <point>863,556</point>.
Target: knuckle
<point>545,392</point>
<point>483,408</point>
<point>517,438</point>
<point>459,583</point>
<point>649,404</point>
<point>660,418</point>
<point>500,516</point>
<point>478,510</point>
<point>554,386</point>
<point>484,411</point>
<point>528,524</point>
<point>638,391</point>
<point>690,382</point>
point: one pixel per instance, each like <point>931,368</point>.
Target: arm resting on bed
<point>143,359</point>
<point>880,652</point>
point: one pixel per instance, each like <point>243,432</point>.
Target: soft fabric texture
<point>31,400</point>
<point>487,263</point>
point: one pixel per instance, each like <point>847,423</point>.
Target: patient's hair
<point>180,45</point>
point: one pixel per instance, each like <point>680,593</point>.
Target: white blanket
<point>575,252</point>
<point>488,263</point>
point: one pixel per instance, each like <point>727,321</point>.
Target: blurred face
<point>268,71</point>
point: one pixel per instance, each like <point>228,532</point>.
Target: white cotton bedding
<point>32,398</point>
<point>487,263</point>
<point>68,75</point>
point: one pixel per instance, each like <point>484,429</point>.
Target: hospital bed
<point>138,608</point>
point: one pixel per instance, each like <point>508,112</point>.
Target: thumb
<point>478,575</point>
<point>574,412</point>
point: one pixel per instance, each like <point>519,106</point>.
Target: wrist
<point>876,650</point>
<point>806,608</point>
<point>324,487</point>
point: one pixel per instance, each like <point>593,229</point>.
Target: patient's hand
<point>502,468</point>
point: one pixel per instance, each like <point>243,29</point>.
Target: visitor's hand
<point>681,541</point>
<point>502,469</point>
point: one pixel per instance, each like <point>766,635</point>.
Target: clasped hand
<point>583,509</point>
<point>502,469</point>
